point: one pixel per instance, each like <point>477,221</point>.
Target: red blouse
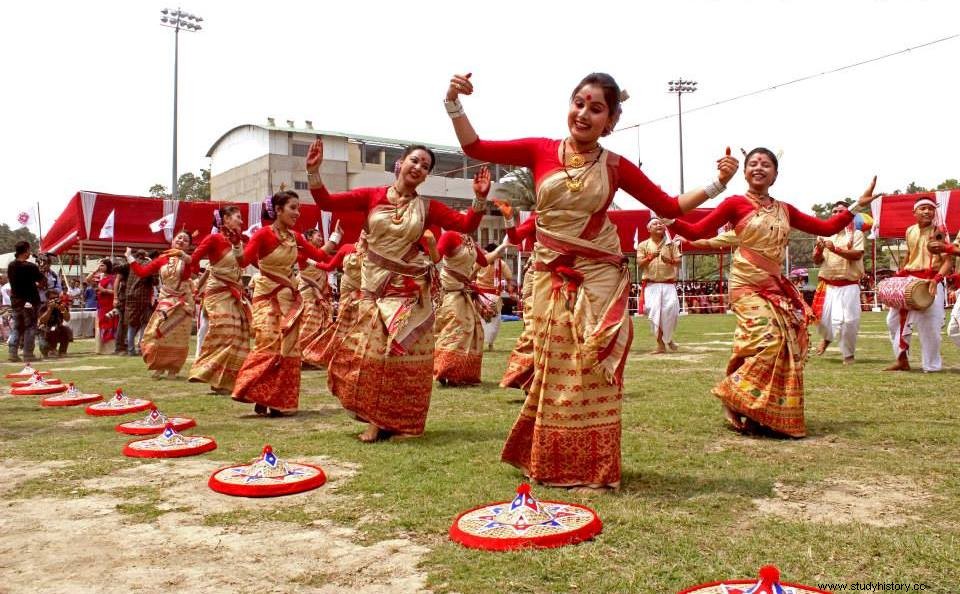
<point>733,209</point>
<point>337,260</point>
<point>450,242</point>
<point>364,199</point>
<point>213,247</point>
<point>265,240</point>
<point>154,266</point>
<point>542,157</point>
<point>523,231</point>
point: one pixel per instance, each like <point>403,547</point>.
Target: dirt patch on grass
<point>81,368</point>
<point>74,423</point>
<point>884,501</point>
<point>149,527</point>
<point>17,472</point>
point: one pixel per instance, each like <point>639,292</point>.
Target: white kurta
<point>840,320</point>
<point>662,306</point>
<point>926,324</point>
<point>953,329</point>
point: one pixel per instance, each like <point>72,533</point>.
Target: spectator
<point>89,296</point>
<point>106,326</point>
<point>137,306</point>
<point>51,280</point>
<point>76,293</point>
<point>55,334</point>
<point>121,270</point>
<point>6,315</point>
<point>25,301</point>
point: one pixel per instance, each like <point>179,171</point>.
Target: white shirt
<point>5,293</point>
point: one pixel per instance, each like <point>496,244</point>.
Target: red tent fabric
<point>896,213</point>
<point>84,216</point>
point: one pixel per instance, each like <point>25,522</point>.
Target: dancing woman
<point>568,431</point>
<point>225,306</point>
<point>166,339</point>
<point>763,387</point>
<point>317,304</point>
<point>519,371</point>
<point>270,375</point>
<point>383,370</point>
<point>458,359</point>
<point>348,260</point>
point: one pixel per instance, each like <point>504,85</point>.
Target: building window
<point>300,149</point>
<point>300,185</point>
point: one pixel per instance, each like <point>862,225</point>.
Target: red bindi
<point>589,97</point>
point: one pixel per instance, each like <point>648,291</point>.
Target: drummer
<point>926,245</point>
<point>841,266</point>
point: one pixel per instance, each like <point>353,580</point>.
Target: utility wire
<point>791,82</point>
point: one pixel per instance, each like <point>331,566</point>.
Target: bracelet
<point>314,179</point>
<point>714,189</point>
<point>938,278</point>
<point>335,237</point>
<point>479,204</point>
<point>509,222</point>
<point>454,108</point>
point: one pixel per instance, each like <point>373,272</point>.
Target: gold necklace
<point>398,212</point>
<point>577,160</point>
<point>575,183</point>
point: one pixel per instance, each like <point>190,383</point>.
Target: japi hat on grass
<point>154,423</point>
<point>118,405</point>
<point>72,397</point>
<point>36,378</point>
<point>37,386</point>
<point>267,476</point>
<point>26,372</point>
<point>169,444</point>
<point>767,583</point>
<point>525,522</point>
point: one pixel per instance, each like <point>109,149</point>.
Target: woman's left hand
<point>868,195</point>
<point>727,165</point>
<point>481,182</point>
<point>174,252</point>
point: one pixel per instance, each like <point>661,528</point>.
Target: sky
<point>89,86</point>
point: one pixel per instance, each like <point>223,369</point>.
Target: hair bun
<point>624,95</point>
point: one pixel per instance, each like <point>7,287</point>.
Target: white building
<point>251,161</point>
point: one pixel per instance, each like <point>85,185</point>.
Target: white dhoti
<point>491,328</point>
<point>840,320</point>
<point>662,306</point>
<point>926,324</point>
<point>202,326</point>
<point>953,328</point>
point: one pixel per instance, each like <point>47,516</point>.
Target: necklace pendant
<point>576,161</point>
<point>574,185</point>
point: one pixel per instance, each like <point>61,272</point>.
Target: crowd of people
<point>419,306</point>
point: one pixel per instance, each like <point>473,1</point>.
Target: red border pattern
<point>274,490</point>
<point>473,541</point>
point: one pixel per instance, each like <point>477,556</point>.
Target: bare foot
<point>848,360</point>
<point>157,374</point>
<point>734,419</point>
<point>673,346</point>
<point>823,346</point>
<point>370,435</point>
<point>658,351</point>
<point>901,364</point>
<point>281,413</point>
<point>261,410</point>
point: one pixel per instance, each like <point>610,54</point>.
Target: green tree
<point>9,238</point>
<point>824,210</point>
<point>516,187</point>
<point>949,184</point>
<point>913,188</point>
<point>190,187</point>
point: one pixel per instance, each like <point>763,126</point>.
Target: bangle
<point>509,222</point>
<point>454,108</point>
<point>938,278</point>
<point>479,204</point>
<point>335,237</point>
<point>314,178</point>
<point>714,189</point>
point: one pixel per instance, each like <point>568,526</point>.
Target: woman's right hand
<point>459,84</point>
<point>315,156</point>
<point>505,209</point>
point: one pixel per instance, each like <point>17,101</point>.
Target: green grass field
<point>873,494</point>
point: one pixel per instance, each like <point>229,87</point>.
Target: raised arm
<point>337,260</point>
<point>152,268</point>
<point>726,212</point>
<point>814,226</point>
<point>638,185</point>
<point>441,215</point>
<point>313,252</point>
<point>449,243</point>
<point>356,200</point>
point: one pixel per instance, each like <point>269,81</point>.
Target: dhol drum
<point>905,292</point>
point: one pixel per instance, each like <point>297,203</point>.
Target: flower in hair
<point>624,95</point>
<point>268,205</point>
